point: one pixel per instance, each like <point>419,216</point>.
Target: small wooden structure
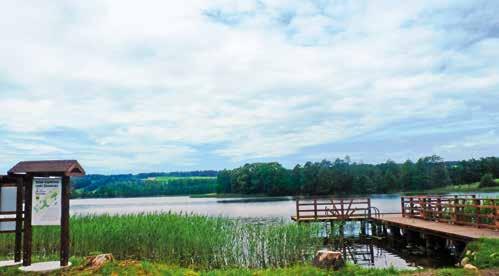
<point>22,175</point>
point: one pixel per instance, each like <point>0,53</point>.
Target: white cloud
<point>158,79</point>
<point>476,146</point>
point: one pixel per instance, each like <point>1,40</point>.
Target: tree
<point>223,180</point>
<point>408,177</point>
<point>487,181</point>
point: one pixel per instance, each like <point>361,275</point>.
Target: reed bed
<point>185,240</point>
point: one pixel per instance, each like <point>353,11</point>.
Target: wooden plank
<point>8,184</point>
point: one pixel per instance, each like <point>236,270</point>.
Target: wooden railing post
<point>411,204</point>
<point>439,208</point>
<point>402,206</point>
<point>477,211</point>
<point>424,207</point>
<point>342,211</point>
<point>315,208</point>
<point>454,214</point>
<point>297,209</point>
<point>369,207</point>
<point>496,214</point>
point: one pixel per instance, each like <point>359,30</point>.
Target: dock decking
<point>460,232</point>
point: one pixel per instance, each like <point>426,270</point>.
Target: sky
<point>141,86</point>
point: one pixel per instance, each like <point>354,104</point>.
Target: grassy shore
<point>135,267</point>
<point>169,244</point>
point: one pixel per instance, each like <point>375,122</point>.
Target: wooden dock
<point>459,218</point>
<point>444,230</point>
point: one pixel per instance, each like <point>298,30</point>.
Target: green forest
<point>341,176</point>
<point>345,177</point>
<point>146,184</point>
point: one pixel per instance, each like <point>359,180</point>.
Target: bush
<point>486,252</point>
<point>487,181</point>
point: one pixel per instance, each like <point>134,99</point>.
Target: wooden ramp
<point>460,232</point>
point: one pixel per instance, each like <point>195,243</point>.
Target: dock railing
<point>454,209</point>
<point>332,209</point>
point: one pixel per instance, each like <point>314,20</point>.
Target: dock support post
<point>374,230</point>
<point>459,246</point>
<point>332,229</point>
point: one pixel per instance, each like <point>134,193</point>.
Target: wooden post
<point>402,206</point>
<point>439,208</point>
<point>27,238</point>
<point>369,207</point>
<point>342,211</point>
<point>297,209</point>
<point>19,219</point>
<point>66,190</point>
<point>424,208</point>
<point>496,214</point>
<point>411,204</point>
<point>454,217</point>
<point>477,211</point>
<point>315,208</point>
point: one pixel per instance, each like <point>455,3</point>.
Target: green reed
<point>185,240</point>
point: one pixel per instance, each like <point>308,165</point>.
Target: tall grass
<point>185,240</point>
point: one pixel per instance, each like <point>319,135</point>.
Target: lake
<point>278,207</point>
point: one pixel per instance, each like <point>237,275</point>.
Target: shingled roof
<point>66,167</point>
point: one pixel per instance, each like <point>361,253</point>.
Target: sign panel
<point>46,208</point>
<point>8,197</point>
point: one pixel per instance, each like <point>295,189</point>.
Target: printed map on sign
<point>46,208</point>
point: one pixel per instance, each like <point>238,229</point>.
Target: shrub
<point>487,181</point>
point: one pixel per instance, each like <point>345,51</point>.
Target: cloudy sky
<point>139,86</point>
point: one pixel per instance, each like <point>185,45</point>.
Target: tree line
<point>342,176</point>
<point>141,185</point>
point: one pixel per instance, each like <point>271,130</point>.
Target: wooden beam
<point>27,238</point>
<point>19,219</point>
<point>65,195</point>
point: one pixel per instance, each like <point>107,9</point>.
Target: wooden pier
<point>457,218</point>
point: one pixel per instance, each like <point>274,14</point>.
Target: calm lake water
<point>279,207</point>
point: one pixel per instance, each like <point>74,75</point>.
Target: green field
<point>170,178</point>
<point>465,188</point>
